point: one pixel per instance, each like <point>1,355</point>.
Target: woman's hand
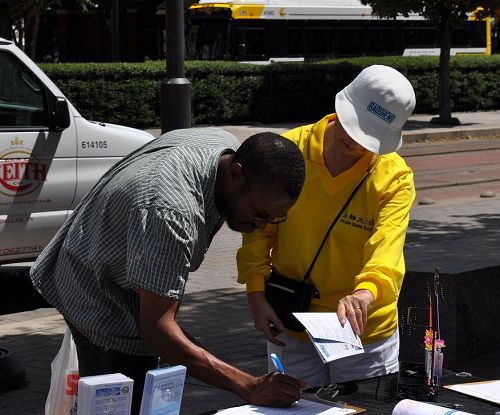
<point>354,307</point>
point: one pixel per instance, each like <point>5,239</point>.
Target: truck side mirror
<point>59,116</point>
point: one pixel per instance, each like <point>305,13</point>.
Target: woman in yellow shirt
<point>360,269</point>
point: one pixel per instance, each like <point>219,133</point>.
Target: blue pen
<point>277,363</point>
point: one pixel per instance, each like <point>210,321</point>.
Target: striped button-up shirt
<point>146,224</point>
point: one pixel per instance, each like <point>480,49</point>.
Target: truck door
<point>37,166</point>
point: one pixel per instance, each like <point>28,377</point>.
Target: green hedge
<point>230,92</point>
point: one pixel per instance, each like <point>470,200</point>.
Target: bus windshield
<point>208,39</point>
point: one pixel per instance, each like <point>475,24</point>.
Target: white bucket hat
<point>374,107</point>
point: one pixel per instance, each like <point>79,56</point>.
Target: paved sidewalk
<point>473,125</point>
<point>454,234</point>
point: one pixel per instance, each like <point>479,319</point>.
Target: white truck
<point>50,156</point>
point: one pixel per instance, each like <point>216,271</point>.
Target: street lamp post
<point>115,33</point>
<point>176,90</point>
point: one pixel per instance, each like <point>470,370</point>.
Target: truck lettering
<point>21,176</point>
<point>95,144</point>
<point>15,220</point>
<point>21,250</point>
<point>24,169</point>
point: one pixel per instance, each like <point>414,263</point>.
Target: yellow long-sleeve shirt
<point>365,248</point>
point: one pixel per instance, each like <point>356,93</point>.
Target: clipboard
<point>344,405</point>
<point>358,409</point>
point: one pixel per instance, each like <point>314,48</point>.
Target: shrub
<point>231,92</point>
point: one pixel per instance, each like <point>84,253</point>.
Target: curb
<point>465,134</point>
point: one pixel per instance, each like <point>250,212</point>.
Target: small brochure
<point>105,394</point>
<point>162,393</point>
<point>331,340</point>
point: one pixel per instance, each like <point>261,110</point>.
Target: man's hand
<point>275,389</point>
<point>264,317</point>
<point>355,308</point>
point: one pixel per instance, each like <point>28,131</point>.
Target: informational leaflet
<point>163,389</point>
<point>302,407</point>
<point>331,340</point>
<point>105,394</point>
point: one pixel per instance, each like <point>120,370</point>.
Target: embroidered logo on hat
<point>374,107</point>
<point>381,112</point>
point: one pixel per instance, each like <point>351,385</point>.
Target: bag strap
<point>370,168</point>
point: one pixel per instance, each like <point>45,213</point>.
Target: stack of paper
<point>105,394</point>
<point>162,393</point>
<point>331,340</point>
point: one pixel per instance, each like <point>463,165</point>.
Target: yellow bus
<point>273,30</point>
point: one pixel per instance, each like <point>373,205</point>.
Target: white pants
<point>301,360</point>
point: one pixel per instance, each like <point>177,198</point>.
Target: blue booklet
<point>162,393</point>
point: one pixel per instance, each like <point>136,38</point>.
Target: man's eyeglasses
<point>258,217</point>
<point>272,221</point>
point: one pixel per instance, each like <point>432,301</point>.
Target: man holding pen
<point>118,267</point>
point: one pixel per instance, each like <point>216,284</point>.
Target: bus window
<point>251,41</point>
<point>208,39</point>
<point>294,41</point>
<point>460,37</point>
<point>477,34</point>
<point>318,41</point>
<point>350,41</point>
<point>382,41</point>
<point>424,35</point>
<point>472,34</point>
<point>275,39</point>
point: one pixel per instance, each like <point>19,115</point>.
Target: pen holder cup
<point>437,373</point>
<point>413,383</point>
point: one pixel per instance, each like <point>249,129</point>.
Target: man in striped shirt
<point>117,268</point>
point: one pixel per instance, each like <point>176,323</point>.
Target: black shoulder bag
<point>287,295</point>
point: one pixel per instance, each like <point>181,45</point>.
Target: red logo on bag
<point>71,384</point>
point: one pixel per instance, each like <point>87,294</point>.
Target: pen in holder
<point>421,381</point>
<point>433,342</point>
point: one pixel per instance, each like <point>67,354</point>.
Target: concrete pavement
<point>456,233</point>
<point>484,125</point>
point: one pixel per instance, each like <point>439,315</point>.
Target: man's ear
<point>236,171</point>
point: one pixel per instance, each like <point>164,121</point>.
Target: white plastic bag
<point>61,399</point>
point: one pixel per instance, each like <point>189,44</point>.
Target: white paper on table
<point>331,340</point>
<point>487,390</point>
<point>302,407</point>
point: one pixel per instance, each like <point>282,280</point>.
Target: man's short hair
<point>268,158</point>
